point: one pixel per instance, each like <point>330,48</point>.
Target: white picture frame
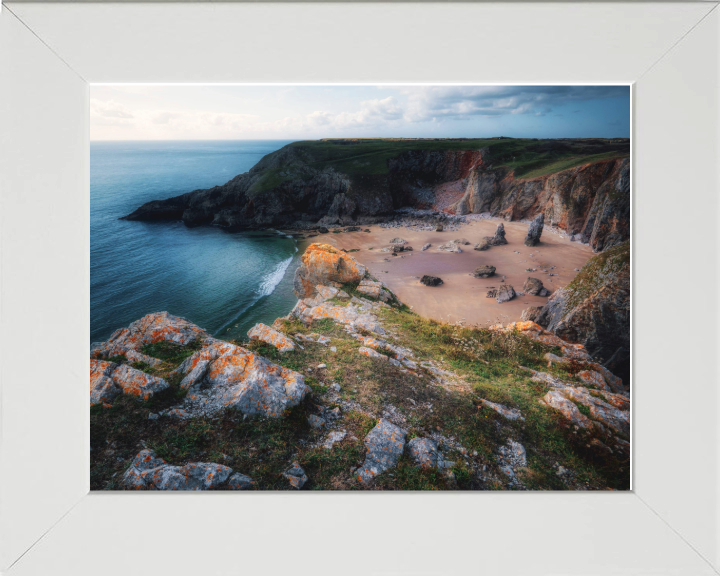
<point>51,524</point>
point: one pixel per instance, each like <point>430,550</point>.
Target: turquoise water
<point>223,282</point>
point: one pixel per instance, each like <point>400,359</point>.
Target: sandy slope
<point>462,297</point>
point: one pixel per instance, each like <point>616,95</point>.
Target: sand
<point>462,298</point>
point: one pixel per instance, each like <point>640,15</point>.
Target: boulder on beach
<point>489,241</point>
<point>323,264</point>
<point>534,287</point>
<point>431,280</point>
<point>425,247</point>
<point>462,241</point>
<point>450,247</point>
<point>439,228</point>
<point>502,294</point>
<point>535,230</point>
<point>484,272</point>
<point>398,241</point>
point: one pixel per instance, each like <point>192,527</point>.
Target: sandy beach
<point>462,298</point>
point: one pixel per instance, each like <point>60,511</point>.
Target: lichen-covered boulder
<point>385,444</point>
<point>424,452</point>
<point>296,476</point>
<point>370,353</point>
<point>240,482</point>
<point>149,472</point>
<point>323,263</point>
<point>535,230</point>
<point>264,333</point>
<point>108,380</point>
<point>150,329</point>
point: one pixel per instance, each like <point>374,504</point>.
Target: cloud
<point>109,113</point>
<point>438,102</point>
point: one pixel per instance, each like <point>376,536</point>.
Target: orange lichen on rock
<point>108,380</point>
<point>270,336</point>
<point>323,264</point>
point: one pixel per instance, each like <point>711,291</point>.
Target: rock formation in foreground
<point>489,241</point>
<point>594,310</point>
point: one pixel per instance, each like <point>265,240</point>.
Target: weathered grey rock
<point>535,230</point>
<point>222,375</point>
<point>147,471</point>
<point>385,444</point>
<point>424,451</point>
<point>535,287</point>
<point>108,380</point>
<point>484,244</point>
<point>509,413</point>
<point>240,482</point>
<point>316,421</point>
<point>431,280</point>
<point>499,238</point>
<point>484,271</point>
<point>505,293</point>
<point>150,329</point>
<point>462,241</point>
<point>334,437</point>
<point>264,333</point>
<point>425,247</point>
<point>374,289</point>
<point>398,241</point>
<point>531,314</point>
<point>439,228</point>
<point>450,247</point>
<point>296,476</point>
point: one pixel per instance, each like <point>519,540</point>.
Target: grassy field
<point>487,365</point>
<point>528,158</point>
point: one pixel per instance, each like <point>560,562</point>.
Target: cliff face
<point>594,310</point>
<point>291,187</point>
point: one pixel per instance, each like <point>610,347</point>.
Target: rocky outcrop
<point>535,230</point>
<point>374,289</point>
<point>323,264</point>
<point>271,336</point>
<point>531,313</point>
<point>424,452</point>
<point>222,375</point>
<point>108,380</point>
<point>489,241</point>
<point>450,247</point>
<point>594,310</point>
<point>148,472</point>
<point>150,329</point>
<point>384,444</point>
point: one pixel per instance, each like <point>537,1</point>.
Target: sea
<point>224,282</point>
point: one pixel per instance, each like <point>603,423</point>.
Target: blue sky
<point>209,112</point>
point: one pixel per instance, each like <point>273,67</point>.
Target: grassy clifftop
<point>527,157</point>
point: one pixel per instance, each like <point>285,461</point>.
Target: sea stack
<point>535,230</point>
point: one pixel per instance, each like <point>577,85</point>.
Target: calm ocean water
<point>223,282</point>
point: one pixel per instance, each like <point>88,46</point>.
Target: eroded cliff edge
<point>582,186</point>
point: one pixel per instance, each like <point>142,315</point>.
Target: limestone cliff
<point>581,186</point>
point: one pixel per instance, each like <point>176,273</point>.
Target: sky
<point>305,112</point>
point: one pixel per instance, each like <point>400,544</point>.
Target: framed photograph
<point>402,292</point>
